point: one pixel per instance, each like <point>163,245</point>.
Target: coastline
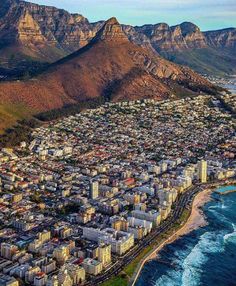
<point>195,221</point>
<point>226,192</point>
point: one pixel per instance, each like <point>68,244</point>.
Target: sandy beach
<point>195,220</point>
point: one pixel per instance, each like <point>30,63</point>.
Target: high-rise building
<point>61,254</point>
<point>120,224</point>
<point>202,171</point>
<point>92,266</point>
<point>120,241</point>
<point>94,190</point>
<point>49,267</point>
<point>104,254</point>
<point>64,278</point>
<point>8,250</point>
<point>17,197</point>
<point>153,216</point>
<point>8,281</point>
<point>40,279</point>
<point>76,272</point>
<point>31,273</point>
<point>44,236</point>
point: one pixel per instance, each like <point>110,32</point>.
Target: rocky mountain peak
<point>111,31</point>
<point>188,27</point>
<point>28,29</point>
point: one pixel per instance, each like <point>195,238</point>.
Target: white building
<point>152,216</point>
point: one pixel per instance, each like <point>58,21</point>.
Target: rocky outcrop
<point>111,31</point>
<point>176,38</point>
<point>225,38</point>
<point>30,22</point>
<point>29,30</point>
<point>25,24</point>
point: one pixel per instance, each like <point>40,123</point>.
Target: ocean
<point>231,86</point>
<point>206,256</point>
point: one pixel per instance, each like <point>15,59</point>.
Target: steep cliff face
<point>31,22</point>
<point>40,32</point>
<point>137,38</point>
<point>29,30</point>
<point>186,36</point>
<point>176,38</point>
<point>225,38</point>
<point>68,31</point>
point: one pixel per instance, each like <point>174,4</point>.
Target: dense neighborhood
<point>90,187</point>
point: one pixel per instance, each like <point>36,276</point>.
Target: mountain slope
<point>205,60</point>
<point>31,36</point>
<point>110,66</point>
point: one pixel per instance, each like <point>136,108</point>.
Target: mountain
<point>206,52</point>
<point>225,38</point>
<point>109,67</point>
<point>172,39</point>
<point>31,36</point>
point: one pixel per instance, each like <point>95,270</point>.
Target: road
<point>184,200</point>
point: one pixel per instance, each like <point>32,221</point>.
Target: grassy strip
<point>124,277</point>
<point>119,280</point>
<point>130,268</point>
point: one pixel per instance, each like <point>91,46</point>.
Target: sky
<point>207,14</point>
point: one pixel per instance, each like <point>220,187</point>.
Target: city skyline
<point>208,15</point>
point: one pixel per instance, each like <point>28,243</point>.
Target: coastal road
<point>184,200</point>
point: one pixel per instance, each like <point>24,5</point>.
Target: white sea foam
<point>220,216</point>
<point>172,278</point>
<point>223,206</point>
<point>218,206</point>
<point>210,242</point>
<point>231,237</point>
<point>234,226</point>
<point>191,262</point>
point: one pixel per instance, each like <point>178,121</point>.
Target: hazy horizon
<point>208,15</point>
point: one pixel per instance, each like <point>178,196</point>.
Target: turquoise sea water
<point>206,256</point>
<point>226,189</point>
<point>231,88</point>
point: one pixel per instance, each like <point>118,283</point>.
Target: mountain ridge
<point>109,66</point>
<point>33,34</point>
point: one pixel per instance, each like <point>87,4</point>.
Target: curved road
<point>184,200</point>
